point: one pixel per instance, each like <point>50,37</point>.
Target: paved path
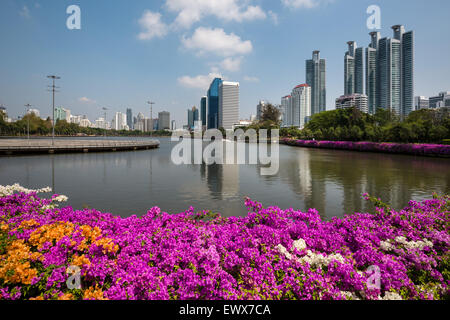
<point>19,146</point>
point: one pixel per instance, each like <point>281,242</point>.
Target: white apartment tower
<point>301,105</point>
<point>228,104</point>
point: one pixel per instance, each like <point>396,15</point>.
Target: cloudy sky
<point>168,51</point>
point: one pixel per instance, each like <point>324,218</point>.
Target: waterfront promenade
<point>43,146</point>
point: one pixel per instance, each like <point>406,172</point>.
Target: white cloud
<point>232,64</point>
<point>251,79</point>
<point>217,41</point>
<point>296,4</point>
<point>25,12</point>
<point>86,100</point>
<point>152,26</point>
<point>190,12</point>
<point>200,81</point>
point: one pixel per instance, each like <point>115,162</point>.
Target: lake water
<point>127,183</point>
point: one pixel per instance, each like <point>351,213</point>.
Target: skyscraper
<point>286,105</point>
<point>354,69</point>
<point>130,119</point>
<point>316,80</point>
<point>164,120</point>
<point>301,105</point>
<point>372,77</point>
<point>213,104</point>
<point>390,72</point>
<point>203,104</point>
<point>228,104</point>
<point>260,109</point>
<point>193,115</point>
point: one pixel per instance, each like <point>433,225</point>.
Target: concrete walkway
<point>25,146</point>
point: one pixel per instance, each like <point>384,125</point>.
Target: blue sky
<point>129,52</point>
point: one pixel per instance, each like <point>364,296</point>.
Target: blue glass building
<point>213,104</point>
<point>203,110</point>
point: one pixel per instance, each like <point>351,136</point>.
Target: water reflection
<point>132,182</point>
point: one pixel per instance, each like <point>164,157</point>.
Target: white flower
<point>60,198</point>
<point>386,245</point>
<point>300,244</point>
<point>9,190</point>
<point>284,251</point>
<point>414,244</point>
<point>392,296</point>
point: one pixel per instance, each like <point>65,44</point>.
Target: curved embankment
<point>430,150</point>
<point>39,146</point>
<point>270,254</point>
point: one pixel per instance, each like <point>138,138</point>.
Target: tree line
<point>41,127</point>
<point>422,126</point>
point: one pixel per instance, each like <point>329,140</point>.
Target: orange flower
<point>28,224</point>
<point>92,293</point>
<point>66,296</point>
<point>80,261</point>
<point>14,265</point>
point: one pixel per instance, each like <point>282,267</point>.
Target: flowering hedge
<point>400,148</point>
<point>269,254</point>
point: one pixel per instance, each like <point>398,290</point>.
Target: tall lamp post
<point>53,90</point>
<point>104,110</point>
<point>151,116</point>
<point>28,118</point>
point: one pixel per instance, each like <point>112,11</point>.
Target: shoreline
<point>425,150</point>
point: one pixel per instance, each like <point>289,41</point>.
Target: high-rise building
<point>301,105</point>
<point>130,119</point>
<point>61,114</point>
<point>119,121</point>
<point>193,116</point>
<point>390,72</point>
<point>228,104</point>
<point>203,113</point>
<point>260,109</point>
<point>356,100</point>
<point>173,125</point>
<point>213,104</point>
<point>316,80</point>
<point>354,69</point>
<point>286,105</point>
<point>372,78</point>
<point>164,120</point>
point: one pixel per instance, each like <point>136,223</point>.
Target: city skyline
<point>96,72</point>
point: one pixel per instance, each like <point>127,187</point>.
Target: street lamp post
<point>151,116</point>
<point>105,109</point>
<point>28,118</point>
<point>53,90</point>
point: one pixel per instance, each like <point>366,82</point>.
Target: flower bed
<point>269,254</point>
<point>398,148</point>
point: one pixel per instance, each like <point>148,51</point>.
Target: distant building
<point>61,114</point>
<point>354,69</point>
<point>260,109</point>
<point>34,111</point>
<point>75,119</point>
<point>435,101</point>
<point>130,119</point>
<point>213,104</point>
<point>356,100</point>
<point>228,104</point>
<point>173,125</point>
<point>316,80</point>
<point>390,72</point>
<point>421,102</point>
<point>119,121</point>
<point>301,106</point>
<point>192,117</point>
<point>203,112</point>
<point>164,120</point>
<point>253,117</point>
<point>156,125</point>
<point>85,122</point>
<point>286,105</point>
